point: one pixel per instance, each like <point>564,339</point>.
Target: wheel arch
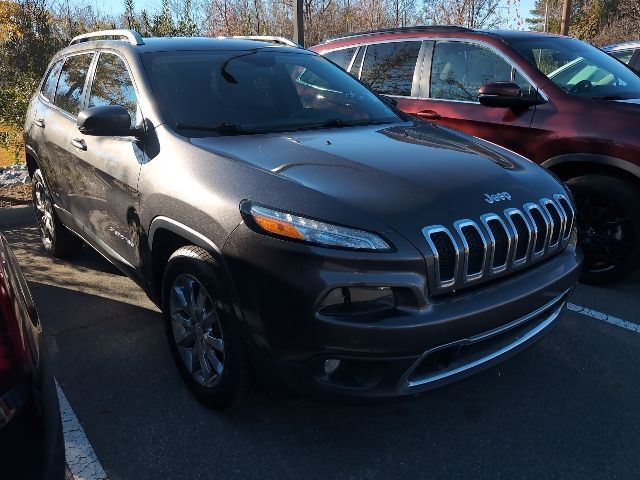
<point>165,236</point>
<point>572,165</point>
<point>31,158</point>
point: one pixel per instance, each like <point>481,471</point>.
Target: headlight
<point>313,231</point>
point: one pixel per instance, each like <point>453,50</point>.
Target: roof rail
<point>131,36</point>
<point>269,38</point>
<point>416,29</point>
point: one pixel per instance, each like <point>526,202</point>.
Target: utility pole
<point>546,17</point>
<point>298,22</point>
<point>566,17</point>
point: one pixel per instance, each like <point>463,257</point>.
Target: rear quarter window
<point>341,57</point>
<point>51,80</point>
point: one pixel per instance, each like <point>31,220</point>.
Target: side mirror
<point>106,121</point>
<point>504,95</point>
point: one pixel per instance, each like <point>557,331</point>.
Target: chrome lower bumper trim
<point>548,313</point>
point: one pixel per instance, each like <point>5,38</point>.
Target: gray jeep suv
<point>290,222</point>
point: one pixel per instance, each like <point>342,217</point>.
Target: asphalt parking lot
<point>566,408</point>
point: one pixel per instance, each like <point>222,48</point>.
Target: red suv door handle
<point>429,114</point>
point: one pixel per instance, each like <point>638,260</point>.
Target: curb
<point>14,216</point>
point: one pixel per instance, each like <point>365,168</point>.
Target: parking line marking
<point>603,317</point>
<point>81,458</point>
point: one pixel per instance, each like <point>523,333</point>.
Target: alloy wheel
<point>605,232</point>
<point>197,330</point>
<point>44,213</point>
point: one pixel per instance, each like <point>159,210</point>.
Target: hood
<point>408,176</point>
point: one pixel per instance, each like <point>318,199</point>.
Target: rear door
<point>109,197</point>
<point>61,130</point>
<point>37,128</point>
<point>454,71</point>
<point>392,68</point>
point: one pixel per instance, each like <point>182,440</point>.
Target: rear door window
<point>112,85</point>
<point>71,83</point>
<point>341,57</point>
<point>49,84</point>
<point>388,68</point>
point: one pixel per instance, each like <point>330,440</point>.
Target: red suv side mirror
<point>504,95</point>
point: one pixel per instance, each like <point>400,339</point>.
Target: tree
<point>467,13</point>
<point>163,25</point>
<point>545,9</point>
<point>130,19</point>
<point>187,26</point>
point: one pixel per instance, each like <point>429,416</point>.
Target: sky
<point>115,7</point>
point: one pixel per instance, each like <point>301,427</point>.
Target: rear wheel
<point>608,220</point>
<point>202,329</point>
<point>57,240</point>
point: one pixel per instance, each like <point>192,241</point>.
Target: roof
<point>508,35</point>
<point>622,46</point>
<point>132,39</point>
<point>204,43</point>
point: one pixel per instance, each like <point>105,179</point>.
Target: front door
<point>110,202</point>
<point>455,70</point>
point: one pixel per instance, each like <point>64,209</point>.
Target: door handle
<point>429,114</point>
<point>79,144</point>
<point>39,122</point>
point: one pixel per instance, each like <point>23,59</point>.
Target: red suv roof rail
<point>415,29</point>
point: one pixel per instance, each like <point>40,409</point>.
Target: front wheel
<point>56,239</point>
<point>203,332</point>
<point>608,221</point>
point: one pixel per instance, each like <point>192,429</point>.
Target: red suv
<point>555,100</point>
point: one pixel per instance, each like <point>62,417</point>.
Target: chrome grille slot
<point>540,229</point>
<point>468,252</point>
<point>500,241</point>
<point>557,222</point>
<point>446,254</point>
<point>474,246</point>
<point>522,234</point>
<point>569,215</point>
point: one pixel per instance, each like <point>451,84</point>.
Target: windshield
<point>579,68</point>
<point>261,90</point>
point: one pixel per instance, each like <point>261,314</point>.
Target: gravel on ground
<point>15,195</point>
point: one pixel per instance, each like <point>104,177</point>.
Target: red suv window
<point>388,68</point>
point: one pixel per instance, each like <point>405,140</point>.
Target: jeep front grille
<point>471,252</point>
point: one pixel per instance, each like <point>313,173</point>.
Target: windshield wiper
<point>609,97</point>
<point>225,128</point>
<point>338,123</point>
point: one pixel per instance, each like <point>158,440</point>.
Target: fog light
<point>331,365</point>
<point>353,301</point>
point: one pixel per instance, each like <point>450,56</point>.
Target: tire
<point>56,239</point>
<point>203,331</point>
<point>608,220</point>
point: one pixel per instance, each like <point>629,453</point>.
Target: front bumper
<point>432,341</point>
